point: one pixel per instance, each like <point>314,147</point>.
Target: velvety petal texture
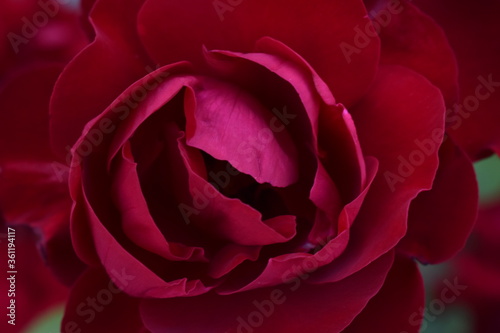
<point>98,69</point>
<point>323,38</point>
<point>387,114</point>
<point>292,307</point>
<point>412,39</point>
<point>438,232</point>
<point>398,306</point>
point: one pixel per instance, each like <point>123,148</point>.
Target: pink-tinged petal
<point>97,304</point>
<point>137,222</point>
<point>289,66</point>
<point>351,210</point>
<point>271,46</point>
<point>24,115</point>
<point>326,37</point>
<point>326,197</point>
<point>230,257</point>
<point>160,87</point>
<point>290,307</point>
<point>398,306</point>
<point>229,124</point>
<point>327,249</point>
<point>434,213</point>
<point>231,219</point>
<point>288,267</point>
<point>338,139</point>
<point>114,256</point>
<point>96,76</point>
<point>401,109</point>
<point>472,29</point>
<point>412,39</point>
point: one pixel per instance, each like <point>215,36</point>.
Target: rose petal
<point>412,39</point>
<point>472,29</point>
<point>230,257</point>
<point>338,139</point>
<point>230,125</point>
<point>102,70</point>
<point>325,37</point>
<point>398,306</point>
<point>289,308</point>
<point>402,108</point>
<point>285,267</point>
<point>230,218</point>
<point>115,257</point>
<point>434,213</point>
<point>137,222</point>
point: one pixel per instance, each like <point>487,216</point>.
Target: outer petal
<point>472,28</point>
<point>321,37</point>
<point>401,109</point>
<point>397,307</point>
<point>116,256</point>
<point>289,308</point>
<point>412,39</point>
<point>99,73</point>
<point>437,228</point>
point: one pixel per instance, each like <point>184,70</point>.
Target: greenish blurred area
<point>454,319</point>
<point>49,322</point>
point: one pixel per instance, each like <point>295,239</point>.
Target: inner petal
<point>228,124</point>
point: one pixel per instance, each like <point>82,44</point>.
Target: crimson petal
<point>295,308</point>
<point>102,70</point>
<point>324,29</point>
<point>399,116</point>
<point>437,230</point>
<point>398,306</point>
<point>472,29</point>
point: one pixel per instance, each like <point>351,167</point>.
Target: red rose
<point>251,166</point>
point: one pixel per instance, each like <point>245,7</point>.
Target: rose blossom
<point>280,176</point>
